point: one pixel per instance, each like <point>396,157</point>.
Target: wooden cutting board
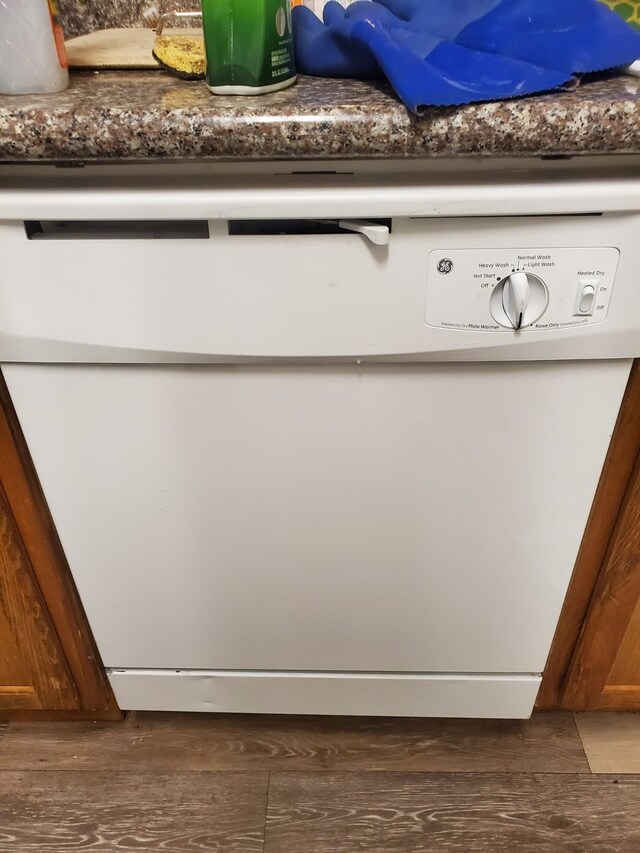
<point>118,48</point>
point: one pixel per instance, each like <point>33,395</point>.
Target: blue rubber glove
<point>424,69</point>
<point>574,36</point>
<point>328,49</point>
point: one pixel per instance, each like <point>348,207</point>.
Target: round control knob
<point>519,300</point>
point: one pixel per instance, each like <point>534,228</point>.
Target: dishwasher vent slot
<point>121,229</point>
<point>254,227</point>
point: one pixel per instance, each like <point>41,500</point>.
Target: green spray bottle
<point>249,46</point>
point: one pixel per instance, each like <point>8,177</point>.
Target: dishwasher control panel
<point>519,290</point>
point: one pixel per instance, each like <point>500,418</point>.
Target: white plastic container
<point>32,52</point>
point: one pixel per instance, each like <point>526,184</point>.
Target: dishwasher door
<point>298,469</point>
<point>292,536</point>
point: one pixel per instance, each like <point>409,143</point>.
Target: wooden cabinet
<point>33,670</point>
<point>624,679</point>
<point>48,660</point>
<point>595,659</point>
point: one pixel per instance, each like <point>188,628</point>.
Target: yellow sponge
<point>181,55</point>
<point>627,9</point>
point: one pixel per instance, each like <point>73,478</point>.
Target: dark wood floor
<point>171,782</point>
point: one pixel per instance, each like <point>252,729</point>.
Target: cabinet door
<point>605,669</point>
<point>33,671</point>
<point>625,675</point>
<point>48,661</point>
<point>595,659</point>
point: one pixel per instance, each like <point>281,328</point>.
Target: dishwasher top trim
<point>277,190</point>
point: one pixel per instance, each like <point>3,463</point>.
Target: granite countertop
<point>142,115</point>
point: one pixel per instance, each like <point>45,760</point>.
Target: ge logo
<point>445,265</point>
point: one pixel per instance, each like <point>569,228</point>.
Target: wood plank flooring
<point>64,811</point>
<point>318,785</point>
<point>547,743</point>
<point>381,812</point>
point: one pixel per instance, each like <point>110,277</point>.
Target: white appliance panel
<point>378,694</point>
<point>232,297</point>
<point>342,472</point>
<point>461,283</point>
<point>420,518</point>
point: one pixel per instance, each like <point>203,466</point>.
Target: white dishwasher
<point>321,439</point>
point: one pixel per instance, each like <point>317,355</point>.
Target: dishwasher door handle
<point>378,234</point>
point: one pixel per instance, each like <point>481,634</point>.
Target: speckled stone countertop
<point>142,115</point>
<point>85,16</point>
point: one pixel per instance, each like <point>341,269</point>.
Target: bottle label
<point>58,35</point>
<point>248,42</point>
